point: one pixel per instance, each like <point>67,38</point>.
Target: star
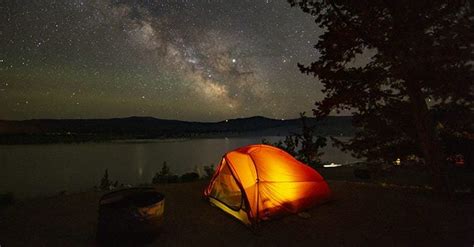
<point>224,62</point>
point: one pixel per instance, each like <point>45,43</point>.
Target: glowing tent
<point>259,182</point>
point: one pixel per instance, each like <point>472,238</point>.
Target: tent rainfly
<point>258,182</point>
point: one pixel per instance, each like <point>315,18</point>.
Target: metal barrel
<point>130,215</point>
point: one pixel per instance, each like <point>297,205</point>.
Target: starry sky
<point>198,60</point>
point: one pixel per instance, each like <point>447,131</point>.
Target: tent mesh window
<point>226,190</point>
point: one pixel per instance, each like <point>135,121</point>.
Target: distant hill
<point>78,130</point>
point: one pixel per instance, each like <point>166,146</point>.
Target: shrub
<point>157,179</point>
<point>164,176</point>
<point>172,179</point>
<point>189,177</point>
<point>209,170</point>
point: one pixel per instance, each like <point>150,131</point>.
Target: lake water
<point>37,170</point>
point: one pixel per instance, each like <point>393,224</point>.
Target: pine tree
<point>418,55</point>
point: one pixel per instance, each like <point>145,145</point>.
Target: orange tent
<point>259,182</point>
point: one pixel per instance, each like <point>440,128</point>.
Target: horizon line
<point>166,119</point>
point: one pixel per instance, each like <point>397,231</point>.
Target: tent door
<point>226,190</point>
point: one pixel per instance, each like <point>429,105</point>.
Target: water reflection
<point>139,159</point>
<point>32,170</point>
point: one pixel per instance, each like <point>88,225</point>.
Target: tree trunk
<point>428,138</point>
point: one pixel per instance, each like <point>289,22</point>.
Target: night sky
<point>202,60</point>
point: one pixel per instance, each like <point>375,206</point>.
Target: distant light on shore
<point>332,165</point>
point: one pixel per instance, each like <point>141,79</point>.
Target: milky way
<point>202,60</point>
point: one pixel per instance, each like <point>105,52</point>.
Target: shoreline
<point>395,177</point>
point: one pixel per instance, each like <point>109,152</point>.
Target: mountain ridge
<point>13,131</point>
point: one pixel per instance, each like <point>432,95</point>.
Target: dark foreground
<point>359,215</point>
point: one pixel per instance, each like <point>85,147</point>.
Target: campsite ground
<point>359,215</point>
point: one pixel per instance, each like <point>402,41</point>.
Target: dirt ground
<point>359,215</point>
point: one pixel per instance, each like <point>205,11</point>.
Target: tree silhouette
<point>305,146</point>
<point>310,143</point>
<point>418,55</point>
<point>105,182</point>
